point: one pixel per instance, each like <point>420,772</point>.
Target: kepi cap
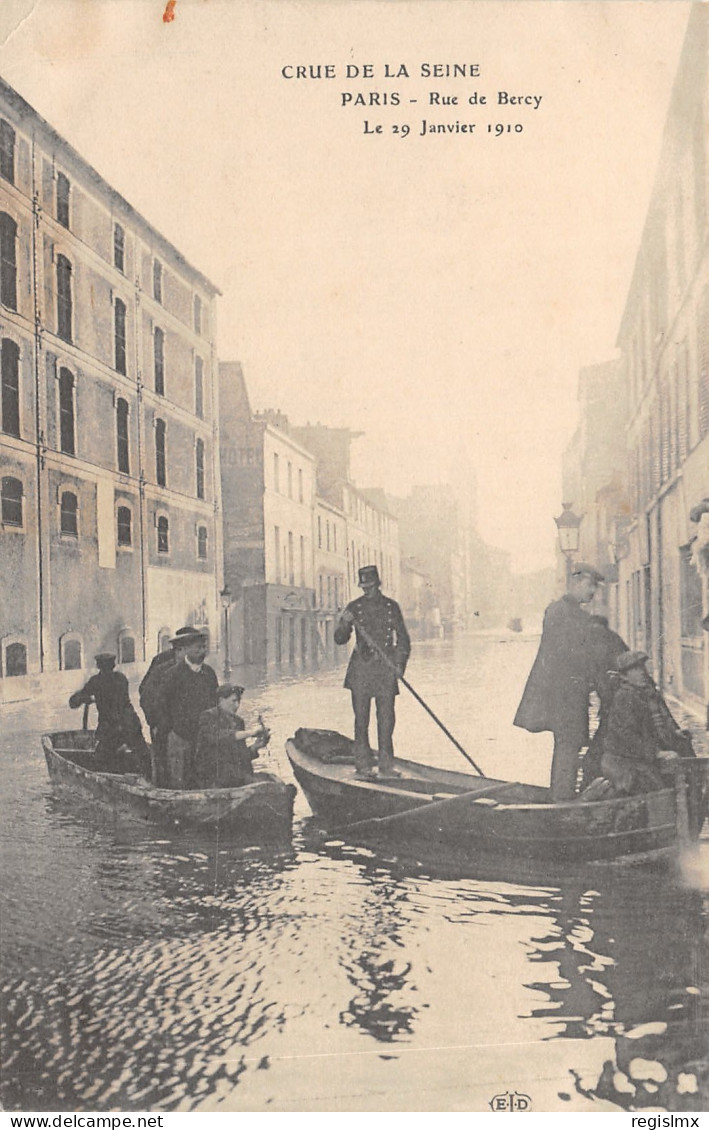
<point>369,573</point>
<point>104,658</point>
<point>630,659</point>
<point>582,569</point>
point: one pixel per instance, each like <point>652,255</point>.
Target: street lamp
<point>225,596</point>
<point>568,524</point>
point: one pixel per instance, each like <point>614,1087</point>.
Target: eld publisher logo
<point>510,1100</point>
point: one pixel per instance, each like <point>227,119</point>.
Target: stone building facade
<point>111,535</point>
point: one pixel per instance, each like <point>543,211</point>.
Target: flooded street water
<point>147,973</point>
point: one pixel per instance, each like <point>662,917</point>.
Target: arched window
<point>122,447</point>
<point>7,151</point>
<point>63,193</point>
<point>164,637</point>
<point>202,536</point>
<point>64,300</point>
<point>199,387</point>
<point>8,261</point>
<point>11,502</point>
<point>163,527</point>
<point>199,467</point>
<point>126,646</point>
<point>160,461</point>
<point>69,514</point>
<point>70,653</point>
<point>119,334</point>
<point>10,387</point>
<point>15,660</point>
<point>67,436</point>
<point>159,360</point>
<point>124,526</point>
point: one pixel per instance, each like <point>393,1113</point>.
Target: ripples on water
<point>147,973</point>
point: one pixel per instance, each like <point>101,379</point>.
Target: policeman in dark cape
<point>556,696</point>
<point>381,652</point>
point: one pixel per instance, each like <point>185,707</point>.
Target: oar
<point>375,822</point>
<point>368,639</point>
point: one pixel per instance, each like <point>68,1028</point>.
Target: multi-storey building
<point>110,534</point>
<point>331,574</point>
<point>664,339</point>
<point>268,482</point>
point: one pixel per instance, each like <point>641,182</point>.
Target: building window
<point>69,514</point>
<point>11,493</point>
<point>197,311</point>
<point>164,637</point>
<point>690,596</point>
<point>126,647</point>
<point>64,300</point>
<point>290,480</point>
<point>159,359</point>
<point>67,431</point>
<point>163,527</point>
<point>277,550</point>
<point>334,537</point>
<point>7,151</point>
<point>124,526</point>
<point>199,467</point>
<point>63,193</point>
<point>276,472</point>
<point>157,280</point>
<point>15,660</point>
<point>291,562</point>
<point>160,461</point>
<point>199,387</point>
<point>319,532</point>
<point>70,653</point>
<point>302,561</point>
<point>202,543</point>
<point>10,387</point>
<point>119,247</point>
<point>122,447</point>
<point>8,261</point>
<point>119,334</point>
<point>327,535</point>
<point>300,484</point>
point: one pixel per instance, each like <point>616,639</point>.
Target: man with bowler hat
<point>149,694</point>
<point>188,689</point>
<point>556,696</point>
<point>381,653</point>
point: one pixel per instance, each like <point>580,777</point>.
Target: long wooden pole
<point>375,647</point>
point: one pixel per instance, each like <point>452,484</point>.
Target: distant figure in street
<point>605,646</point>
<point>149,692</point>
<point>556,696</point>
<point>640,726</point>
<point>223,759</point>
<point>188,689</point>
<point>120,744</point>
<point>377,620</point>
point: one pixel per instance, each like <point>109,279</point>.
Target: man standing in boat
<point>120,744</point>
<point>556,696</point>
<point>380,655</point>
<point>188,689</point>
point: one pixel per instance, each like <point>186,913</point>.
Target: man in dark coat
<point>188,689</point>
<point>377,620</point>
<point>606,647</point>
<point>640,725</point>
<point>149,692</point>
<point>120,744</point>
<point>556,696</point>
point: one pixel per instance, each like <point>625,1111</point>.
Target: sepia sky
<point>438,293</point>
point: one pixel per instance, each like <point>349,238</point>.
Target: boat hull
<point>513,820</point>
<point>258,811</point>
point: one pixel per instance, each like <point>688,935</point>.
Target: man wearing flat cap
<point>120,744</point>
<point>640,726</point>
<point>188,689</point>
<point>556,696</point>
<point>381,653</point>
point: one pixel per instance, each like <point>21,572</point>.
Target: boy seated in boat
<point>642,736</point>
<point>225,748</point>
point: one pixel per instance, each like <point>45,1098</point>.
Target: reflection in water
<point>171,974</point>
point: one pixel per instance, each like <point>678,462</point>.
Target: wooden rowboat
<point>258,811</point>
<point>484,816</point>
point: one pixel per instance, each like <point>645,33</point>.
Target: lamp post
<point>225,596</point>
<point>568,524</point>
